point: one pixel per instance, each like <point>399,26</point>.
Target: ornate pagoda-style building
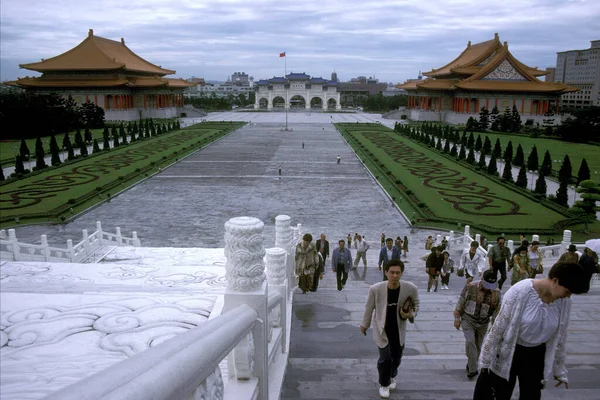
<point>487,75</point>
<point>110,75</point>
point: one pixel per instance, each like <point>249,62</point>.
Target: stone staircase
<point>330,359</point>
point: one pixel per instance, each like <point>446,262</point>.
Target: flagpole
<point>287,99</point>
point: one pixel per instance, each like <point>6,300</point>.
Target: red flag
<point>282,54</point>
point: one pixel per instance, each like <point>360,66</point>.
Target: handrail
<point>273,300</point>
<point>172,369</point>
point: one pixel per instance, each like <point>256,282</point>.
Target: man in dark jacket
<point>434,264</point>
<point>387,253</point>
<point>323,247</point>
<point>589,262</point>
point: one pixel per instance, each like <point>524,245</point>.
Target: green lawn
<point>453,194</point>
<point>558,149</point>
<point>10,148</point>
<point>50,194</point>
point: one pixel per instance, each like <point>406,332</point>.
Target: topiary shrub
<point>71,201</point>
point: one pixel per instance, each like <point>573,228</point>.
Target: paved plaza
<point>187,204</point>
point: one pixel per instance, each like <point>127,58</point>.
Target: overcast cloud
<point>391,40</point>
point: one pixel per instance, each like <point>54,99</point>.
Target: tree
<point>494,118</point>
<point>481,163</point>
<point>54,152</point>
<point>66,141</point>
<point>78,138</point>
<point>505,121</point>
<point>546,168</point>
<point>497,148</point>
<point>471,141</point>
<point>447,146</point>
<point>507,173</point>
<point>471,156</point>
<point>24,150</point>
<point>487,145</point>
<point>83,151</point>
<point>492,167</point>
<point>566,171</point>
<point>532,160</point>
<point>40,163</point>
<point>105,139</point>
<point>583,127</point>
<point>453,150</point>
<point>462,154</point>
<point>115,136</point>
<point>540,186</point>
<point>1,174</point>
<point>522,177</point>
<point>508,152</point>
<point>122,134</point>
<point>438,145</point>
<point>471,125</point>
<point>584,172</point>
<point>95,147</point>
<point>478,143</point>
<point>516,122</point>
<point>70,152</point>
<point>463,139</point>
<point>484,119</point>
<point>519,156</point>
<point>92,116</point>
<point>19,167</point>
<point>562,194</point>
<point>87,136</point>
<point>586,208</point>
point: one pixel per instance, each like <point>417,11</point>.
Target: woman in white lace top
<point>528,338</point>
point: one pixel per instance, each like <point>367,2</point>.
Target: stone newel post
<point>284,238</point>
<point>566,241</point>
<point>276,275</point>
<point>244,250</point>
<point>245,274</point>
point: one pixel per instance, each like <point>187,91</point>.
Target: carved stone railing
<point>252,334</point>
<point>551,251</point>
<point>13,250</point>
<point>180,368</point>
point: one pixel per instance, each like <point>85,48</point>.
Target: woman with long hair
<point>529,336</point>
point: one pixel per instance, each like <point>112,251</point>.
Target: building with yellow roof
<point>110,75</point>
<point>487,75</point>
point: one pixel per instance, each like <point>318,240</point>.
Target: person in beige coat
<point>393,302</point>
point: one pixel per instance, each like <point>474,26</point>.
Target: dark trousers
<point>499,266</point>
<point>446,279</point>
<point>389,361</point>
<point>316,277</point>
<point>341,276</point>
<point>527,365</point>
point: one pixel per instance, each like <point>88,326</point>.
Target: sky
<point>388,40</point>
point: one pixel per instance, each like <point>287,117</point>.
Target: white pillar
<point>564,244</point>
<point>12,238</point>
<point>277,278</point>
<point>46,249</point>
<point>119,237</point>
<point>86,243</point>
<point>99,230</point>
<point>245,274</point>
<point>284,238</point>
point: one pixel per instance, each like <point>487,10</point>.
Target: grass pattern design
<point>469,197</point>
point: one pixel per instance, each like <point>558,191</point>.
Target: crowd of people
<point>516,336</point>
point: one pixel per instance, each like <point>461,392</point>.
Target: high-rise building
<point>580,69</point>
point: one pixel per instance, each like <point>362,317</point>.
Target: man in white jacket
<point>393,302</point>
<point>472,262</point>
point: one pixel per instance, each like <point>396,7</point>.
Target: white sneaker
<point>384,392</point>
<point>392,385</point>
